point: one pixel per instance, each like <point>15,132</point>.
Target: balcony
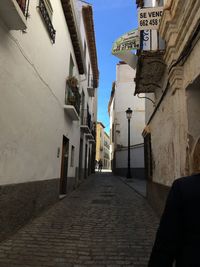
<point>90,137</point>
<point>86,123</point>
<point>94,130</point>
<point>91,91</point>
<point>107,145</point>
<point>150,70</point>
<point>106,156</point>
<point>72,103</point>
<point>14,13</point>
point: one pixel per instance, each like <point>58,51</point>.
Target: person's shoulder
<point>187,181</point>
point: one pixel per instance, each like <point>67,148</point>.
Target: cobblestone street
<point>103,223</point>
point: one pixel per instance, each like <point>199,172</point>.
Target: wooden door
<point>64,166</point>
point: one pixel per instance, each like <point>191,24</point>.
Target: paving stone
<point>104,223</point>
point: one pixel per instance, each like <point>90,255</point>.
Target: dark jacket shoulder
<point>188,186</point>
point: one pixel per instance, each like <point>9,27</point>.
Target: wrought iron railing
<point>24,5</point>
<point>106,156</point>
<point>86,119</point>
<point>107,145</point>
<point>91,83</point>
<point>47,20</point>
<point>73,98</point>
<point>94,131</point>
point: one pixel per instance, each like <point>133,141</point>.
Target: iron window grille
<point>86,118</point>
<point>73,98</point>
<point>47,20</point>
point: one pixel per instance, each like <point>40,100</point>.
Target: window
<point>46,13</point>
<point>71,66</point>
<point>148,157</point>
<point>72,156</point>
<point>49,8</point>
<point>88,74</point>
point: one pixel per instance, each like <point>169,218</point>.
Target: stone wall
<point>156,196</point>
<point>21,202</point>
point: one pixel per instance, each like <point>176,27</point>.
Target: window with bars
<point>47,13</point>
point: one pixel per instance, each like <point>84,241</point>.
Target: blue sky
<point>111,19</point>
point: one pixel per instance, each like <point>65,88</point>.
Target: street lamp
<point>128,116</point>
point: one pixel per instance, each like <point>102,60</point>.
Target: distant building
<point>102,146</point>
<point>122,97</point>
<point>99,141</point>
<point>106,151</point>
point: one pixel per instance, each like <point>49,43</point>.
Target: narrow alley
<point>103,223</point>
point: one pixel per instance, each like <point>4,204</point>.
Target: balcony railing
<point>86,119</point>
<point>87,126</point>
<point>73,98</point>
<point>106,156</point>
<point>94,131</point>
<point>47,20</point>
<point>107,145</point>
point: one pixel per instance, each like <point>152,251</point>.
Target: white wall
<point>112,117</point>
<point>124,98</point>
<point>33,74</point>
<point>91,102</point>
<point>136,155</point>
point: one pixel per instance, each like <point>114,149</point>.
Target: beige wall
<point>99,141</point>
<point>175,125</point>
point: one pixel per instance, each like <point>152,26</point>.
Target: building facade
<point>122,98</point>
<point>99,141</point>
<point>48,82</point>
<point>106,151</point>
<point>102,146</point>
<point>172,132</point>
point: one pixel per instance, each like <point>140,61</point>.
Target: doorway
<point>82,107</point>
<point>85,165</point>
<point>64,166</point>
<point>148,157</point>
<point>80,159</point>
<point>89,162</point>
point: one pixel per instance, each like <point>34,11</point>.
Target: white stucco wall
<point>136,155</point>
<point>33,74</point>
<point>111,115</point>
<point>124,98</point>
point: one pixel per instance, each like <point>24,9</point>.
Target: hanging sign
<point>149,18</point>
<point>128,41</point>
<point>123,47</point>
